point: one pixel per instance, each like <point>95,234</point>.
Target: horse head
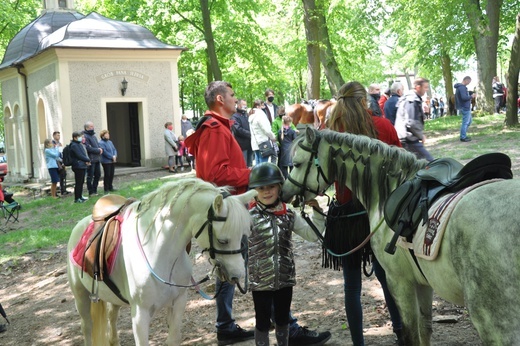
<point>223,234</point>
<point>309,177</point>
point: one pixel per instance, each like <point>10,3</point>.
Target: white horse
<point>152,268</point>
<point>479,260</point>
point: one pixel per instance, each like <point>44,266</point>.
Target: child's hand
<point>314,204</point>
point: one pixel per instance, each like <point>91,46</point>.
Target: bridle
<point>209,222</point>
<point>212,251</point>
<point>303,188</point>
<point>314,160</point>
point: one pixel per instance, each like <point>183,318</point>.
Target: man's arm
<point>214,160</point>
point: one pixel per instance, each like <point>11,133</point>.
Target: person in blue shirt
<point>390,110</point>
<point>108,160</point>
<point>52,156</point>
<point>463,105</point>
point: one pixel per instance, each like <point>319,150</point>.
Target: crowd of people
<point>86,154</point>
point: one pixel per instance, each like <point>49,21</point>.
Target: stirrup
<point>94,297</point>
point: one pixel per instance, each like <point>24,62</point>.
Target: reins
<point>212,252</point>
<point>303,188</point>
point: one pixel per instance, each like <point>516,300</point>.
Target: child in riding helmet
<point>271,261</point>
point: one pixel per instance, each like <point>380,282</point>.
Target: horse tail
<point>98,313</point>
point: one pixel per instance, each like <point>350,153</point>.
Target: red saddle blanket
<point>78,253</point>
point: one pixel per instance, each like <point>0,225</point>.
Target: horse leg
<point>141,325</point>
<point>113,314</point>
<point>82,300</point>
<point>175,315</point>
<point>410,301</point>
<point>424,300</point>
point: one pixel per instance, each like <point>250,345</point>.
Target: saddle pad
<point>428,237</point>
<point>77,254</point>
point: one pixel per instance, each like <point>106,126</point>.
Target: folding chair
<point>10,211</point>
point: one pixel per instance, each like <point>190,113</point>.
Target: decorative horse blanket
<point>110,243</point>
<point>428,237</point>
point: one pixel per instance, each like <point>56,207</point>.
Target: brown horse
<point>313,112</point>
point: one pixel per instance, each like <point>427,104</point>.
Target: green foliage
<point>261,44</point>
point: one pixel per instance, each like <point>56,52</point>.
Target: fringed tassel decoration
<point>345,230</point>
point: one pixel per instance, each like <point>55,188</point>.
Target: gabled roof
<point>96,31</point>
<point>73,30</point>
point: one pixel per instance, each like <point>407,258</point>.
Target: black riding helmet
<point>265,173</point>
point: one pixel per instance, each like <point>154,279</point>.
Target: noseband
<point>209,222</point>
<point>313,160</point>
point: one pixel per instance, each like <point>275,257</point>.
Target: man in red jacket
<point>220,161</point>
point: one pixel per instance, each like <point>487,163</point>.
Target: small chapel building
<point>64,69</point>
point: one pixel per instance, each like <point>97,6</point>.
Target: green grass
<point>488,134</point>
<point>47,223</point>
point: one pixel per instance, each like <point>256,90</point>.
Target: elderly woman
<point>108,160</point>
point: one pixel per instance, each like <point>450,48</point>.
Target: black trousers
<point>93,175</point>
<point>63,180</point>
<point>265,300</point>
<point>79,179</point>
<point>108,176</point>
<point>498,103</point>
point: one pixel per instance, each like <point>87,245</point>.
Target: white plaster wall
<point>93,83</point>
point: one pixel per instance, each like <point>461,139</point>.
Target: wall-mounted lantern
<point>124,85</point>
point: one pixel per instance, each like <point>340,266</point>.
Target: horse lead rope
<point>320,236</point>
<point>206,278</point>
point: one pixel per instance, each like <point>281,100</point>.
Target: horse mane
<point>368,155</point>
<point>174,197</point>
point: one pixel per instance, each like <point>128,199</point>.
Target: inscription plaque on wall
<point>122,73</point>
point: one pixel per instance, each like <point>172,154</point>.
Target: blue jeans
<point>466,121</point>
<point>418,149</point>
<point>352,286</point>
<point>225,320</point>
<point>259,158</point>
<point>248,157</point>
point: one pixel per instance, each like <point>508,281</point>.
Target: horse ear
<point>248,196</point>
<point>310,135</point>
<point>218,203</point>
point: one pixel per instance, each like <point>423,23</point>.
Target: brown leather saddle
<point>104,238</point>
<point>409,203</point>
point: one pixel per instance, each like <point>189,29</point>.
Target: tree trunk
<point>484,26</point>
<point>512,79</point>
<point>313,50</point>
<point>327,57</point>
<point>210,42</point>
<point>448,81</point>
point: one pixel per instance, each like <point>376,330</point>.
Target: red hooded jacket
<point>218,156</point>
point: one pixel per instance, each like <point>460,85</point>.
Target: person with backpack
<point>498,94</point>
<point>80,163</point>
<point>94,153</point>
<point>409,121</point>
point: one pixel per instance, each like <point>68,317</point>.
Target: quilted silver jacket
<point>271,259</point>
